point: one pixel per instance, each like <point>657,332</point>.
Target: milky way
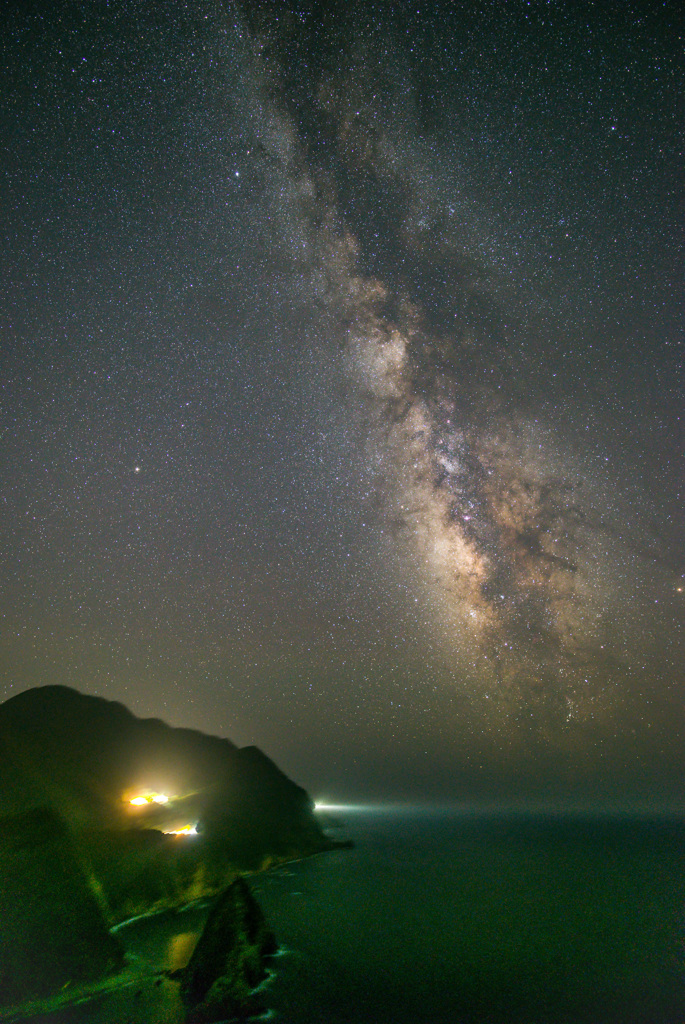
<point>340,383</point>
<point>514,529</point>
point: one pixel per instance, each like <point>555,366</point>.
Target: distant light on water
<point>512,809</point>
<point>343,808</point>
<point>321,806</point>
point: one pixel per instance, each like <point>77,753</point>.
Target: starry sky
<point>341,384</point>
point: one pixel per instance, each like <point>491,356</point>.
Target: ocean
<point>456,917</point>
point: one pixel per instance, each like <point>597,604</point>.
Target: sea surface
<point>452,917</point>
<point>455,917</point>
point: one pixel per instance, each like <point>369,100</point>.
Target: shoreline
<point>135,973</point>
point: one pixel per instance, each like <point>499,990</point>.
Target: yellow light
<point>187,830</point>
<point>149,798</point>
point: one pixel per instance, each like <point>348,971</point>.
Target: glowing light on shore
<point>187,830</point>
<point>149,798</point>
<point>160,798</point>
<point>138,801</point>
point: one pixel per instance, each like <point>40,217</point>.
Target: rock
<point>228,961</point>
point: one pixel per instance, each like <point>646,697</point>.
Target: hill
<point>87,758</point>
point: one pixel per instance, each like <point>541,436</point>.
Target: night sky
<point>341,384</point>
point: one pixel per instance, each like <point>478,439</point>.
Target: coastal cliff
<point>135,815</point>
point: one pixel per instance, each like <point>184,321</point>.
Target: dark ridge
<point>85,758</point>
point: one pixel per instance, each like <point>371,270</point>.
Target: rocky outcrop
<point>228,961</point>
<point>51,922</point>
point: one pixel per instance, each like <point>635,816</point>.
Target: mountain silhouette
<point>86,758</point>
